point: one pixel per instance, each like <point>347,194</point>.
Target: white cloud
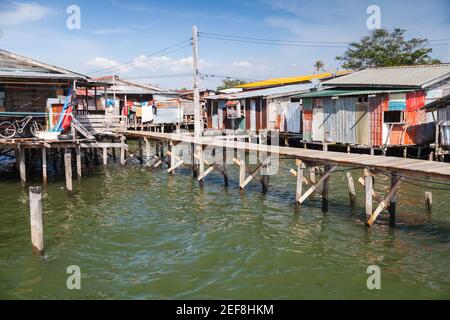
<point>113,31</point>
<point>21,12</point>
<point>242,63</point>
<point>102,63</point>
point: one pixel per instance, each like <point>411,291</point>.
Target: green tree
<point>230,83</point>
<point>383,49</point>
<point>319,66</point>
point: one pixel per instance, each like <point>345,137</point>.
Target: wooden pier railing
<point>399,169</point>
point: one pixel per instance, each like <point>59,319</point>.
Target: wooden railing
<point>101,123</point>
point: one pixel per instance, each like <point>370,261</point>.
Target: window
<point>393,117</point>
<point>233,109</point>
<point>362,99</point>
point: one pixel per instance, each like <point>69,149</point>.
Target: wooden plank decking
<point>390,164</point>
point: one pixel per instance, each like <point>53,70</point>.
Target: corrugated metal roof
<point>343,93</point>
<point>439,103</point>
<point>14,65</point>
<point>126,86</point>
<point>290,80</point>
<point>403,76</point>
<point>269,93</point>
<point>36,75</point>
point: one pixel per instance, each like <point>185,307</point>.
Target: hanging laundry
<point>147,112</point>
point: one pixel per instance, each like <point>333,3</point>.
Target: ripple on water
<point>146,235</point>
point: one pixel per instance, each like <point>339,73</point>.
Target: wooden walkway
<point>391,164</point>
<point>399,169</point>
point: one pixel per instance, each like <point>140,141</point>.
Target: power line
<point>297,43</point>
<point>176,75</point>
<point>271,40</point>
<point>210,75</point>
<point>273,43</point>
<point>176,46</point>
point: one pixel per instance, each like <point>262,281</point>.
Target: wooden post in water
<point>44,165</point>
<point>201,165</point>
<point>194,165</point>
<point>242,169</point>
<point>22,166</point>
<point>68,171</point>
<point>368,194</point>
<point>351,189</point>
<point>325,187</point>
<point>171,155</point>
<point>148,151</point>
<point>105,156</point>
<point>393,201</point>
<point>312,174</point>
<point>122,151</point>
<point>37,226</point>
<point>141,150</point>
<point>428,202</point>
<point>299,191</point>
<point>225,169</point>
<point>78,160</point>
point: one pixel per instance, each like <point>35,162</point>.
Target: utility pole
<point>198,112</point>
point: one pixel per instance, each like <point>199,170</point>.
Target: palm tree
<point>318,66</point>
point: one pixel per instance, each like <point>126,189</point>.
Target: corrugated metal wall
<point>376,106</point>
<point>307,124</point>
<point>418,128</point>
<point>340,120</point>
<point>292,117</point>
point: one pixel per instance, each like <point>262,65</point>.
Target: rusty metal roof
<point>16,66</point>
<point>420,76</point>
<point>268,93</point>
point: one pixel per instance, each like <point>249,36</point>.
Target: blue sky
<point>113,32</point>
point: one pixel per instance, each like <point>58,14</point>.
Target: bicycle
<point>9,129</point>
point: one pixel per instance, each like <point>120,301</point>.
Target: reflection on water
<point>148,235</point>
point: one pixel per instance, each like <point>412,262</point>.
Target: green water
<point>139,234</point>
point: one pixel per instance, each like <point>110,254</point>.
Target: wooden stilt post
<point>299,191</point>
<point>44,165</point>
<point>141,150</point>
<point>312,175</point>
<point>78,160</point>
<point>105,156</point>
<point>368,194</point>
<point>36,223</point>
<point>428,202</point>
<point>68,171</point>
<point>122,151</point>
<point>95,155</point>
<point>225,170</point>
<point>201,165</point>
<point>172,158</point>
<point>265,179</point>
<point>194,165</point>
<point>148,151</point>
<point>22,166</point>
<point>86,157</point>
<point>393,201</point>
<point>242,169</point>
<point>351,189</point>
<point>325,187</point>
